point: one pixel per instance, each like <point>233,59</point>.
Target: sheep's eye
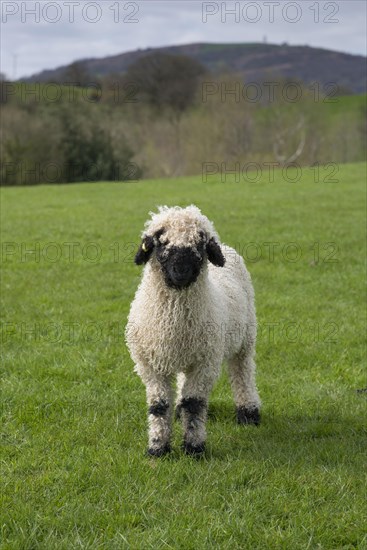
<point>200,248</point>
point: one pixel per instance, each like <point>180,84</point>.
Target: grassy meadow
<point>74,470</point>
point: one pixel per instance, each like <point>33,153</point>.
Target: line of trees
<point>168,117</point>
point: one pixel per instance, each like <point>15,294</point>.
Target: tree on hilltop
<point>165,80</point>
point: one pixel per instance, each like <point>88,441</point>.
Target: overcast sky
<point>46,34</point>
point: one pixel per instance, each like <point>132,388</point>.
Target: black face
<point>180,265</point>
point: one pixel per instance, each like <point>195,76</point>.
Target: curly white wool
<point>190,332</point>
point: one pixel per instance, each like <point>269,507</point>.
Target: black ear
<point>144,251</point>
<point>215,255</point>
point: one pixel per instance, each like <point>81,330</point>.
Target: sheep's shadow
<point>219,411</point>
<point>284,437</point>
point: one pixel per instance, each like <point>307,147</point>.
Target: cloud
<point>41,44</point>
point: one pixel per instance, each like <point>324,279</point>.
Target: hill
<point>253,62</point>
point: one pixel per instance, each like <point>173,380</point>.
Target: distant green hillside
<point>253,62</point>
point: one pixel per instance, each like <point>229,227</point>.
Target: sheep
<point>194,308</point>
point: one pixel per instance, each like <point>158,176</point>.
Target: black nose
<point>181,270</point>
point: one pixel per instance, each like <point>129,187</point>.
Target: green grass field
<point>74,470</point>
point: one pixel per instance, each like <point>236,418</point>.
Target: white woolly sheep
<point>194,308</point>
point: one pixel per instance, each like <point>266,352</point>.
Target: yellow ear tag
<point>144,248</point>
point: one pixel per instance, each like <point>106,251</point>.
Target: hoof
<point>248,416</point>
<point>159,451</point>
<point>194,450</point>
